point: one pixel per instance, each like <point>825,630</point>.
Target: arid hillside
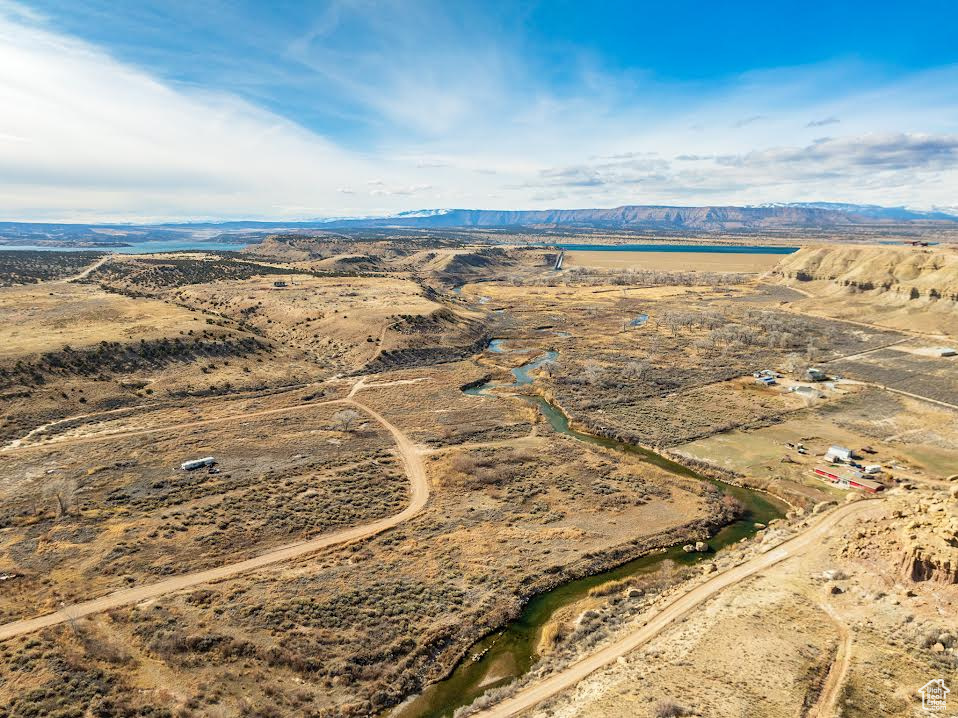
<point>909,271</point>
<point>911,288</point>
<point>446,260</point>
<point>444,472</point>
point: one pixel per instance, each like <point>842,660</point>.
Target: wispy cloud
<point>880,161</point>
<point>851,154</point>
<point>95,136</point>
<point>400,191</point>
<point>746,121</point>
<point>823,122</point>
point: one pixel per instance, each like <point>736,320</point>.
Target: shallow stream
<point>509,653</point>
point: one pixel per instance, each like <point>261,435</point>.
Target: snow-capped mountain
<point>874,211</point>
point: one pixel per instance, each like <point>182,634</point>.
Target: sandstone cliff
<point>930,543</point>
<point>905,273</point>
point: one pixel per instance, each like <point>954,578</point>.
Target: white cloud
<point>85,137</point>
<point>823,122</point>
<point>401,191</point>
<point>846,166</point>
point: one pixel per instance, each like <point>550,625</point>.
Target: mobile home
<point>197,463</point>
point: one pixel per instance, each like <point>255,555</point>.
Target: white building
<point>840,454</point>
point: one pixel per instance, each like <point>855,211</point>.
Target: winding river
<point>507,654</point>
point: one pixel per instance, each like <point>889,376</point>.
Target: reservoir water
<point>197,245</point>
<point>175,245</point>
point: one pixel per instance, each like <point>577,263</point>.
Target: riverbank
<point>630,627</point>
<point>506,654</point>
<point>694,467</point>
<point>509,650</point>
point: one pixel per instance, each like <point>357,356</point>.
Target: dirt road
<point>86,272</point>
<point>20,445</point>
<point>910,395</point>
<point>856,355</point>
<point>419,495</point>
<point>828,698</point>
<point>670,613</point>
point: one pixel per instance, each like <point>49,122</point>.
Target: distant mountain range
<point>874,211</point>
<point>789,216</point>
<point>821,215</point>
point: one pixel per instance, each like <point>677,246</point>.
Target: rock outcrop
<point>903,273</point>
<point>930,543</point>
<point>920,566</point>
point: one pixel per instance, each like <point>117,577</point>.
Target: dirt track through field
<point>909,394</point>
<point>828,698</point>
<point>674,611</point>
<point>88,271</point>
<point>18,445</point>
<point>419,495</point>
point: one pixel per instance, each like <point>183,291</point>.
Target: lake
<point>174,245</point>
<point>194,245</point>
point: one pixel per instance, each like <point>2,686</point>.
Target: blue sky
<point>173,110</point>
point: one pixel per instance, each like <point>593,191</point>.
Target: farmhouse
<point>847,479</point>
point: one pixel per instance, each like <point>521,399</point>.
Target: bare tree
<point>635,369</point>
<point>592,373</point>
<point>793,363</point>
<point>63,492</point>
<point>346,419</point>
<point>671,321</point>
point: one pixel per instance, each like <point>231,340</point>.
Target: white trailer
<point>197,463</point>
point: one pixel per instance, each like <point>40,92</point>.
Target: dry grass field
<point>85,515</point>
<point>357,624</point>
<point>44,318</point>
<point>672,261</point>
<point>176,357</point>
<point>72,349</point>
<point>344,322</point>
<point>662,367</point>
<point>911,439</point>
